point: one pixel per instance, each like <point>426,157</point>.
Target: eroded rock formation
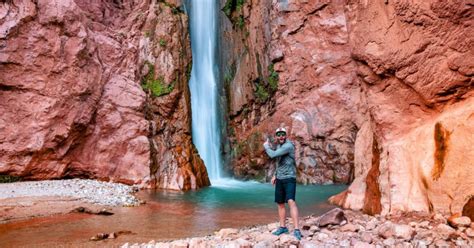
<point>293,68</point>
<point>377,90</point>
<point>415,64</point>
<point>74,97</point>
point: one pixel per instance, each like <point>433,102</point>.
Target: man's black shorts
<point>285,189</point>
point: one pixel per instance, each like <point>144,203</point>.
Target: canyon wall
<point>415,64</point>
<point>377,93</point>
<point>97,89</point>
<point>292,67</point>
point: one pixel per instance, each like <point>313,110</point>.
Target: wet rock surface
<point>404,230</point>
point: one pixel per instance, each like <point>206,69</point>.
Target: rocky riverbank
<point>344,228</point>
<point>23,200</point>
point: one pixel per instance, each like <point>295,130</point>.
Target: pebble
<point>96,192</point>
<point>419,232</point>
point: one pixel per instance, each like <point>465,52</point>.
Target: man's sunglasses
<point>279,134</point>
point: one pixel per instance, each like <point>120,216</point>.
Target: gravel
<point>96,192</point>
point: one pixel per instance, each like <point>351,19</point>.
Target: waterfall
<point>203,84</point>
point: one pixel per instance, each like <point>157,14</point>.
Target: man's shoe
<point>280,231</point>
<point>297,234</point>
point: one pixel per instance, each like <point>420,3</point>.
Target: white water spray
<point>203,84</point>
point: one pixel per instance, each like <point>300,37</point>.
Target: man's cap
<point>280,129</point>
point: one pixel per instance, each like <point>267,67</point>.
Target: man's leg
<point>293,213</point>
<point>282,214</point>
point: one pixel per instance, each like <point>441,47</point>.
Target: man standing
<point>284,180</point>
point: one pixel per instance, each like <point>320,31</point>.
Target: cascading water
<point>203,84</point>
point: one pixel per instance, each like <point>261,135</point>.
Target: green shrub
<point>9,179</point>
<point>162,42</point>
<point>261,93</point>
<point>240,22</point>
<point>231,6</point>
<point>272,78</point>
<point>157,87</point>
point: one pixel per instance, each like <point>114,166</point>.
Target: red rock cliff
<point>80,92</point>
<point>378,92</point>
<point>294,68</point>
<point>415,64</point>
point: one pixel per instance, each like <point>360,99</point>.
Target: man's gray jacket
<point>285,154</point>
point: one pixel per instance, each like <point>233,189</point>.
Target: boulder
<point>333,217</point>
<point>459,221</point>
<point>444,231</point>
<point>469,232</point>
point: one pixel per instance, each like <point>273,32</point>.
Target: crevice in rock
<point>441,138</point>
<point>468,209</point>
<point>372,203</point>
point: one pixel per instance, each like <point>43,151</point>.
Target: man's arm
<point>282,150</point>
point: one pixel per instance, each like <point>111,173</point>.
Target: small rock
<point>386,230</point>
<point>333,217</point>
<point>286,239</point>
<point>308,244</point>
<point>321,236</point>
<point>263,244</point>
<point>360,244</point>
<point>163,245</point>
<point>366,237</point>
<point>197,242</point>
<point>420,243</point>
<point>441,243</point>
<point>371,224</point>
<point>344,243</point>
<point>349,228</point>
<point>444,231</point>
<point>227,232</point>
<point>424,224</point>
<point>404,232</point>
<point>439,217</point>
<point>179,244</point>
<point>314,229</point>
<point>461,243</point>
<point>243,243</point>
<point>104,212</point>
<point>462,221</point>
<point>266,237</point>
<point>469,232</point>
<point>389,242</point>
<point>99,236</point>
